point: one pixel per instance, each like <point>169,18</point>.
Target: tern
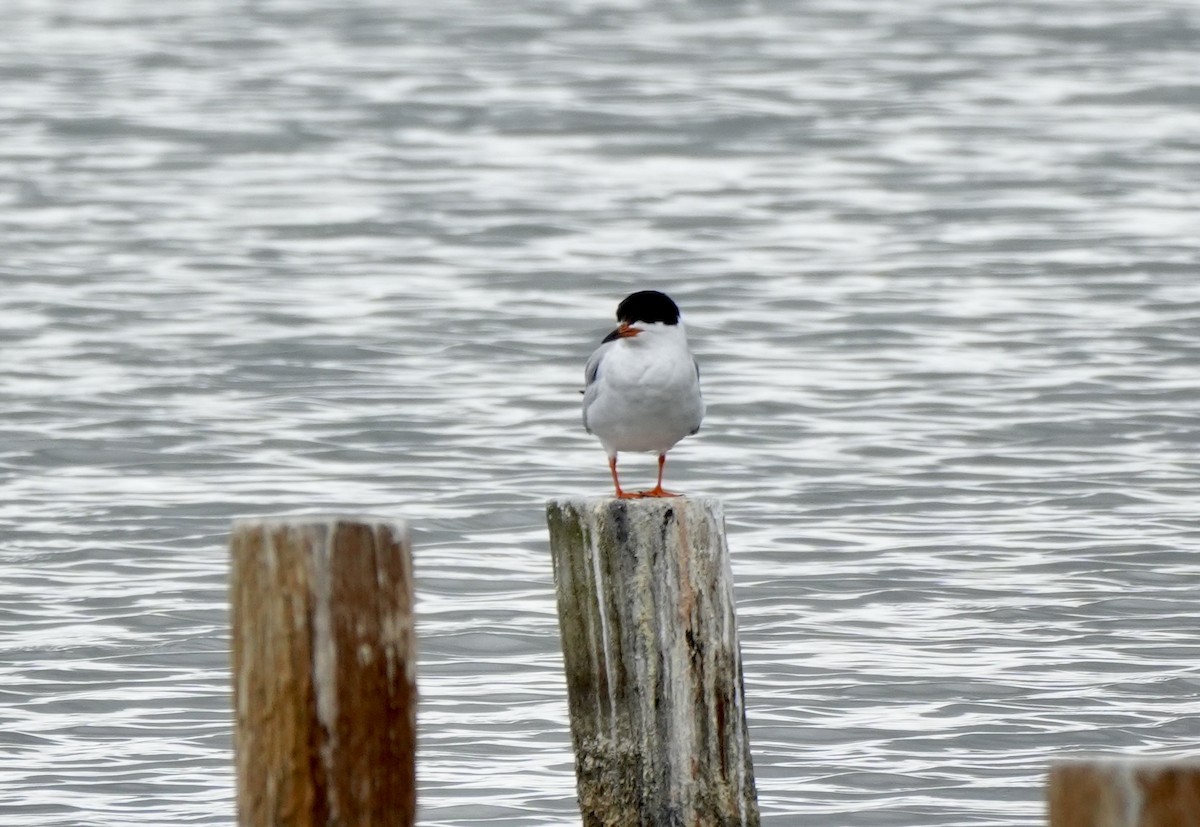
<point>643,385</point>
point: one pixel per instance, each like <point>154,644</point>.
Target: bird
<point>642,385</point>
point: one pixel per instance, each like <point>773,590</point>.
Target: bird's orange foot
<point>630,495</point>
<point>659,491</point>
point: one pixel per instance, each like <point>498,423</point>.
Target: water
<point>938,261</point>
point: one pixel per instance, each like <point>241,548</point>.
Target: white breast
<point>646,394</point>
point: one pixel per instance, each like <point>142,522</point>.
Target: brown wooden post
<point>324,660</point>
<point>654,672</point>
<point>1111,792</point>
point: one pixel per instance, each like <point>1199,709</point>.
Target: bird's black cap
<point>648,306</point>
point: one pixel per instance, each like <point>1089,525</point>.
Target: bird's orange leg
<point>658,491</point>
<point>621,495</point>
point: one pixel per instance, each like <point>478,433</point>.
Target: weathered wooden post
<point>1115,792</point>
<point>654,672</point>
<point>324,676</point>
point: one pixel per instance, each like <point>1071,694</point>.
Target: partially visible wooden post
<point>324,676</point>
<point>1124,793</point>
<point>654,672</point>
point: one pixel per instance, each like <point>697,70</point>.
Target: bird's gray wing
<point>592,369</point>
<point>591,372</point>
<point>696,365</point>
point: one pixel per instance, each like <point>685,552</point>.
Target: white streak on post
<point>324,649</point>
<point>605,643</point>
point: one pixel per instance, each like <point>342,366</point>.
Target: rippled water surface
<point>938,261</point>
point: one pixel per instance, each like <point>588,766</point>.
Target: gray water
<point>938,262</point>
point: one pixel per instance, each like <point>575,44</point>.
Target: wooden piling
<point>324,661</point>
<point>654,672</point>
<point>1112,792</point>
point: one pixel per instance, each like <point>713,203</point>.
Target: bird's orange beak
<point>624,331</point>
